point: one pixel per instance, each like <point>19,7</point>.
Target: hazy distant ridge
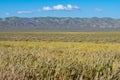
<point>59,24</point>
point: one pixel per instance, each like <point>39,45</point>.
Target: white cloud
<point>58,7</point>
<point>98,10</point>
<point>24,12</point>
<point>70,7</point>
<point>7,14</point>
<point>28,12</point>
<point>61,7</point>
<point>47,8</point>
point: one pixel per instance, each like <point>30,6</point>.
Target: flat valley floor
<point>59,55</point>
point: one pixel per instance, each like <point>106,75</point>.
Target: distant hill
<point>59,24</point>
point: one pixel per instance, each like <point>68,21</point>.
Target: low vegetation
<point>64,58</point>
<point>95,37</point>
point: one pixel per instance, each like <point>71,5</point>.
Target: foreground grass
<point>58,60</point>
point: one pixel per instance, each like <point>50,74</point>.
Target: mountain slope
<point>59,24</point>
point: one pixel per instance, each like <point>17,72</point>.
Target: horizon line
<point>56,17</point>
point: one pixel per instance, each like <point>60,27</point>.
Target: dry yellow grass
<point>58,60</point>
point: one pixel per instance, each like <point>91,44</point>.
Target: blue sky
<point>60,8</point>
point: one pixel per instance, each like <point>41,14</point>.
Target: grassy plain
<point>60,56</point>
<point>96,37</point>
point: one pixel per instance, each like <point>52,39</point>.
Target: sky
<point>60,8</point>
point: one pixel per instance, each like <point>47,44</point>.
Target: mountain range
<point>59,24</point>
